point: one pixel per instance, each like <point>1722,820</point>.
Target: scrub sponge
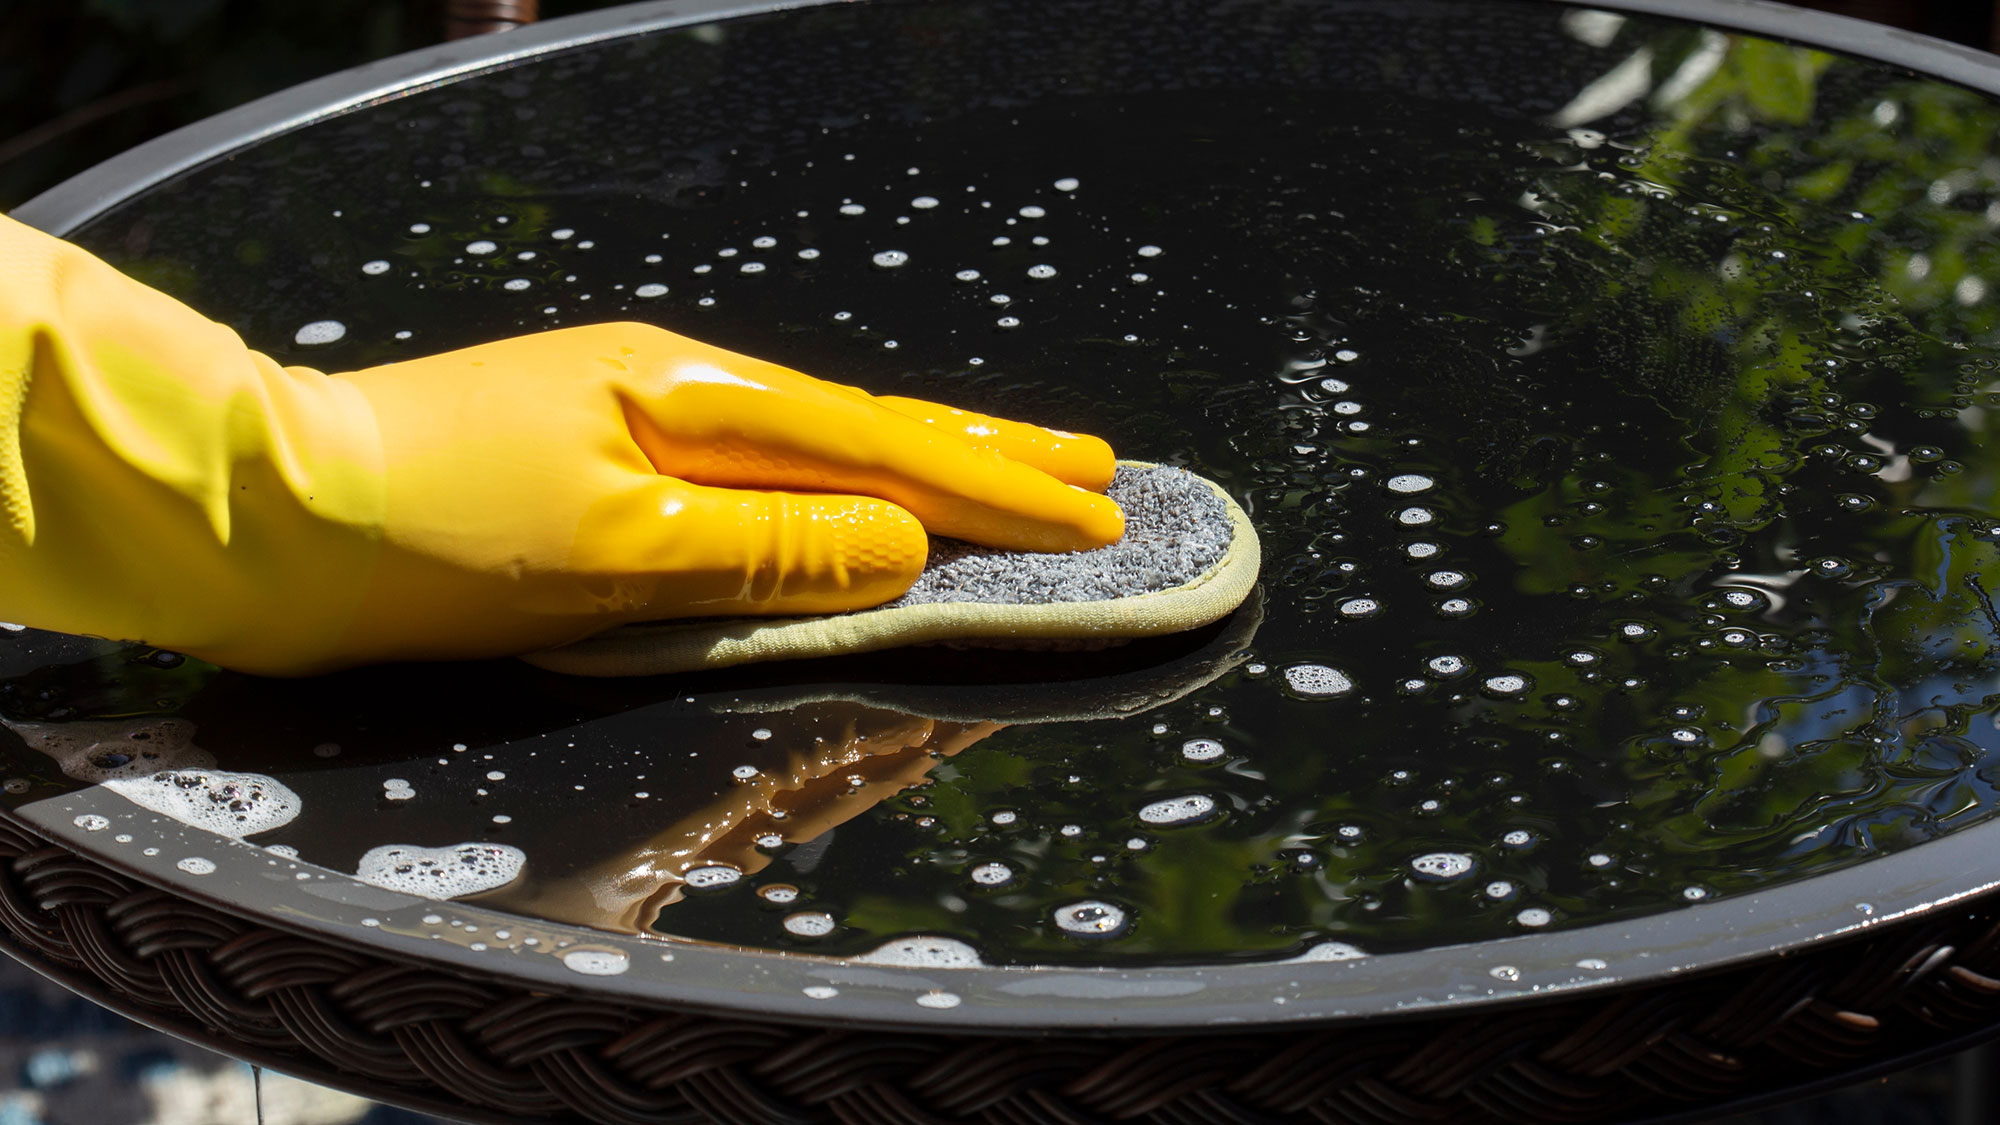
<point>1189,556</point>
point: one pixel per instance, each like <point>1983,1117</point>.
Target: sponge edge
<point>1080,605</point>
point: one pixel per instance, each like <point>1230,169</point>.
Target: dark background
<point>81,81</point>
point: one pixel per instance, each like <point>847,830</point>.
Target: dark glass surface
<point>1610,395</point>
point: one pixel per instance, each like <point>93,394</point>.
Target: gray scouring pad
<point>1189,556</point>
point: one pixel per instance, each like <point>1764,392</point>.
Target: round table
<point>743,165</point>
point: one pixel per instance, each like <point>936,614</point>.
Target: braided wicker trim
<point>442,1042</point>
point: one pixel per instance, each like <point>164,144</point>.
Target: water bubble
<point>1360,607</point>
<point>1446,665</point>
<point>1179,810</point>
<point>992,874</point>
<point>939,999</point>
<point>1415,517</point>
<point>712,876</point>
<point>1004,817</point>
<point>1499,888</point>
<point>1009,322</point>
<point>596,962</point>
<point>420,228</point>
<point>808,254</point>
<point>1508,685</point>
<point>1454,607</point>
<point>924,952</point>
<point>1504,972</point>
<point>820,991</point>
<point>924,202</point>
<point>1090,918</point>
<point>967,275</point>
<point>809,924</point>
<point>1201,749</point>
<point>1421,550</point>
<point>1068,183</point>
<point>516,283</point>
<point>319,332</point>
<point>779,893</point>
<point>378,266</point>
<point>196,865</point>
<point>481,247</point>
<point>1518,838</point>
<point>561,233</point>
<point>890,259</point>
<point>1446,579</point>
<point>1534,916</point>
<point>1634,631</point>
<point>852,209</point>
<point>751,267</point>
<point>1150,251</point>
<point>91,822</point>
<point>1442,865</point>
<point>1041,273</point>
<point>1410,482</point>
<point>1000,299</point>
<point>1317,680</point>
<point>397,789</point>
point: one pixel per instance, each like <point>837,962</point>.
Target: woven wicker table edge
<point>442,1042</point>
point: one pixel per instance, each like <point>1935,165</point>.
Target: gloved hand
<point>160,481</point>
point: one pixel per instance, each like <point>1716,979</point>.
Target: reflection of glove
<point>160,481</point>
<point>833,762</point>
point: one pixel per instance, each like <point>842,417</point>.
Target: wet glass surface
<point>1610,395</point>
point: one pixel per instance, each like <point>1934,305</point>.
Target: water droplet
<point>1442,865</point>
<point>1201,750</point>
<point>992,874</point>
<point>596,962</point>
<point>319,333</point>
<point>1090,918</point>
<point>1179,810</point>
<point>809,924</point>
<point>712,876</point>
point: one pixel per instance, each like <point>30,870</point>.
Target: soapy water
<point>1556,565</point>
<point>453,871</point>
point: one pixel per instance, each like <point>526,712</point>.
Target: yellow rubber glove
<point>160,481</point>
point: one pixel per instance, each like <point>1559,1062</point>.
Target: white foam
<point>1179,810</point>
<point>809,924</point>
<point>1410,482</point>
<point>1442,865</point>
<point>453,871</point>
<point>1090,918</point>
<point>713,875</point>
<point>924,952</point>
<point>219,801</point>
<point>319,332</point>
<point>1509,684</point>
<point>1318,680</point>
<point>1329,951</point>
<point>396,789</point>
<point>91,822</point>
<point>197,865</point>
<point>992,874</point>
<point>890,259</point>
<point>939,999</point>
<point>596,962</point>
<point>1360,607</point>
<point>1201,749</point>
